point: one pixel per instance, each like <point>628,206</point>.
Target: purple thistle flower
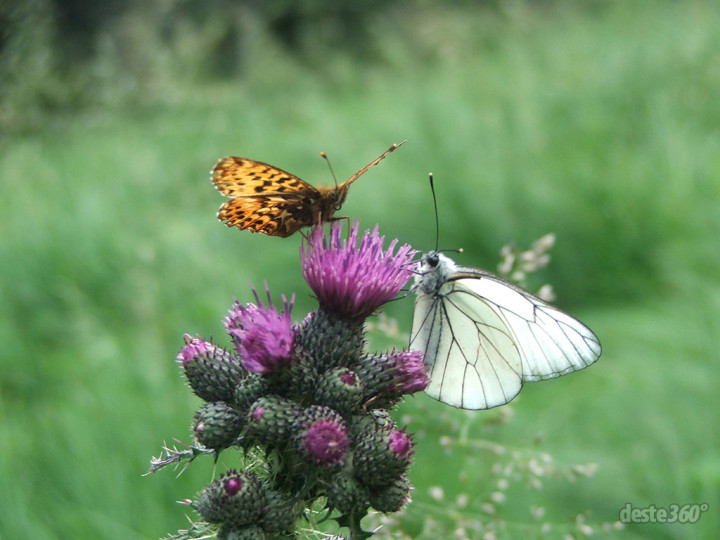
<point>194,347</point>
<point>410,371</point>
<point>262,336</point>
<point>233,485</point>
<point>401,443</point>
<point>212,372</point>
<point>348,378</point>
<point>322,436</point>
<point>353,281</point>
<point>326,442</point>
<point>258,413</point>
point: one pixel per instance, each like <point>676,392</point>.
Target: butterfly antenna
<point>373,163</point>
<point>327,160</point>
<point>437,220</point>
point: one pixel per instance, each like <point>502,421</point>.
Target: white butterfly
<point>482,336</point>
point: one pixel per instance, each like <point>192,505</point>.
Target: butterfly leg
<point>347,219</point>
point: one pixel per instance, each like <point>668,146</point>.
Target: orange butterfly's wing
<point>264,198</point>
<point>266,215</point>
<point>240,177</point>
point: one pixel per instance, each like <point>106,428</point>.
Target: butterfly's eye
<point>338,206</point>
<point>433,259</point>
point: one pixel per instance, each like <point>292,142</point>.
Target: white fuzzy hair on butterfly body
<point>482,337</point>
<point>431,274</point>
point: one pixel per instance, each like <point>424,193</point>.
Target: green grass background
<point>600,124</point>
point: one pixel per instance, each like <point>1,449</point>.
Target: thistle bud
<point>382,455</point>
<point>347,494</point>
<point>281,512</point>
<point>237,497</point>
<point>321,436</point>
<point>217,425</point>
<point>248,390</point>
<point>390,376</point>
<point>211,371</point>
<point>328,341</point>
<point>391,498</point>
<point>367,424</point>
<point>271,419</point>
<point>299,380</point>
<point>341,389</point>
<point>233,532</point>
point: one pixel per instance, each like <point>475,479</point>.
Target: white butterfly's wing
<point>482,337</point>
<point>472,361</point>
<point>551,342</point>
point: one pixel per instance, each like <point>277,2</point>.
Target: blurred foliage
<point>65,53</point>
<point>60,54</point>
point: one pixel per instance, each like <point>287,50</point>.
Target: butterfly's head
<point>430,261</point>
<point>433,271</point>
<point>337,198</point>
<point>330,201</point>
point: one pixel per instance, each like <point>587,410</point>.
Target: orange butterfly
<point>269,200</point>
